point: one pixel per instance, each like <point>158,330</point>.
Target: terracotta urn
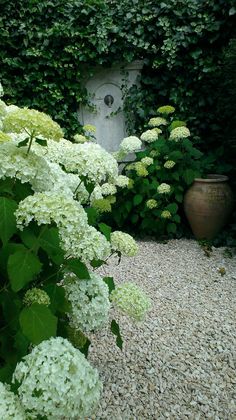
<point>208,204</point>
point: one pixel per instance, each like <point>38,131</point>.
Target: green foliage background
<point>48,47</point>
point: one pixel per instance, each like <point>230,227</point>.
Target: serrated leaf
<point>138,198</point>
<point>189,175</point>
<point>172,207</point>
<point>78,268</point>
<point>115,329</point>
<point>106,230</point>
<point>23,142</point>
<point>179,197</point>
<point>171,228</point>
<point>97,263</point>
<point>22,268</point>
<point>7,218</point>
<point>58,301</point>
<point>42,142</point>
<point>38,323</point>
<point>110,283</point>
<point>92,215</point>
<point>50,242</point>
<point>29,238</point>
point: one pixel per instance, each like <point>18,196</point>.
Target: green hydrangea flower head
<point>166,214</point>
<point>79,138</point>
<point>89,128</point>
<point>4,137</point>
<point>102,205</point>
<point>156,122</point>
<point>169,164</point>
<point>33,123</point>
<point>177,123</point>
<point>124,243</point>
<point>131,300</point>
<point>36,295</point>
<point>140,169</point>
<point>151,204</point>
<point>166,109</point>
<point>179,133</point>
<point>154,153</point>
<point>130,184</point>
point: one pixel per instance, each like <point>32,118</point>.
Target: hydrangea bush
<point>164,167</point>
<point>50,233</point>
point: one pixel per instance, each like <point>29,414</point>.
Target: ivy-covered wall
<point>47,47</point>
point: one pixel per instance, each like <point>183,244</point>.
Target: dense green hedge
<point>47,47</point>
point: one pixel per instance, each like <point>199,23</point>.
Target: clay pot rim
<point>213,178</point>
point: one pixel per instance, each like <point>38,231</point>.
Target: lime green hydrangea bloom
<point>166,109</point>
<point>4,137</point>
<point>79,138</point>
<point>130,184</point>
<point>154,153</point>
<point>36,295</point>
<point>131,300</point>
<point>90,128</point>
<point>166,214</point>
<point>157,121</point>
<point>176,124</point>
<point>32,122</point>
<point>169,164</point>
<point>151,204</point>
<point>140,169</point>
<point>102,205</point>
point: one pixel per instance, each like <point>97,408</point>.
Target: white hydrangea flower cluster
<point>78,239</point>
<point>122,181</point>
<point>131,300</point>
<point>89,302</point>
<point>150,136</point>
<point>165,214</point>
<point>56,380</point>
<point>164,188</point>
<point>32,169</point>
<point>36,295</point>
<point>151,204</point>
<point>123,243</point>
<point>169,164</point>
<point>130,144</point>
<point>108,189</point>
<point>157,122</point>
<point>33,123</point>
<point>179,133</point>
<point>10,406</point>
<point>147,161</point>
<point>88,159</point>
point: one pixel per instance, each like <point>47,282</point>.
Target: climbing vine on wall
<point>48,47</point>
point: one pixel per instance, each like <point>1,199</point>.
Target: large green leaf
<point>110,283</point>
<point>115,329</point>
<point>50,242</point>
<point>138,198</point>
<point>22,268</point>
<point>7,218</point>
<point>172,207</point>
<point>57,298</point>
<point>106,230</point>
<point>38,323</point>
<point>78,268</point>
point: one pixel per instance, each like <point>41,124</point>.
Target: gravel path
<point>180,362</point>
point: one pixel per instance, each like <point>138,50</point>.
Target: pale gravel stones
<point>180,362</point>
